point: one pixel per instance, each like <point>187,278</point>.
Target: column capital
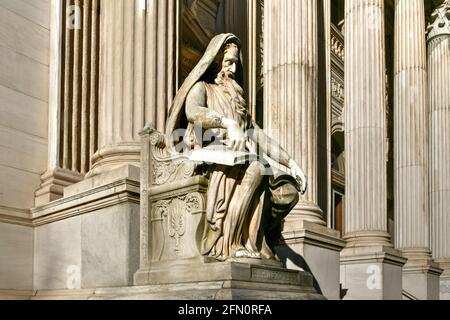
<point>440,21</point>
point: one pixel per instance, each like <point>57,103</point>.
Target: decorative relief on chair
<point>170,219</point>
<point>167,167</point>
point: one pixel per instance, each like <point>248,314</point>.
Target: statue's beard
<point>234,92</point>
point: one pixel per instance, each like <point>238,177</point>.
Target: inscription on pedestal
<point>274,275</point>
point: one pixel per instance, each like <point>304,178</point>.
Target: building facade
<point>356,90</point>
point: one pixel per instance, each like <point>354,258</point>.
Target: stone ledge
<point>212,290</point>
<point>21,217</point>
<point>173,273</point>
<point>445,265</point>
<point>119,186</point>
<point>316,235</point>
<point>371,254</point>
<point>128,172</point>
<point>426,266</point>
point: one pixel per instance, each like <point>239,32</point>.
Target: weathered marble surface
<point>16,257</point>
<point>91,238</point>
<point>24,43</point>
<point>213,281</point>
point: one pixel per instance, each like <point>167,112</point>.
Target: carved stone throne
<point>172,222</point>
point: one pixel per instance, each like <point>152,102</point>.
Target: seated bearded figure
<point>246,202</point>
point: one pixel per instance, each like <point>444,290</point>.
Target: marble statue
<point>246,203</point>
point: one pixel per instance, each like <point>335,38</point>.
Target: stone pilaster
<point>291,64</point>
<point>137,76</point>
<point>439,172</point>
<point>368,263</point>
<point>57,175</point>
<point>420,274</point>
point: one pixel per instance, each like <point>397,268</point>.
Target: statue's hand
<point>298,174</point>
<point>236,136</point>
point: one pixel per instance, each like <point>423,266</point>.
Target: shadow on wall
<point>285,253</point>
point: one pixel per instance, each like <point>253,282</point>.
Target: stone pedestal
<point>90,237</point>
<point>371,273</point>
<point>199,279</point>
<point>444,286</point>
<point>314,249</point>
<point>421,279</point>
<point>172,225</point>
<point>209,281</point>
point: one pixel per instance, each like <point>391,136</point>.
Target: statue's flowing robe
<point>238,197</point>
<point>244,207</point>
<point>234,209</point>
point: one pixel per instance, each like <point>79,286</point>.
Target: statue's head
<point>227,64</point>
<point>230,60</point>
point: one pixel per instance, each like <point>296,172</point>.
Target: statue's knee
<point>285,196</point>
<point>257,169</point>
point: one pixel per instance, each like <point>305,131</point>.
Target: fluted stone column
<point>365,123</point>
<point>369,251</point>
<point>137,76</point>
<point>439,173</point>
<point>291,88</point>
<point>420,274</point>
<point>291,102</point>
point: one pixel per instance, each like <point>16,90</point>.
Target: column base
<point>371,272</point>
<point>304,211</point>
<point>111,158</point>
<point>315,249</point>
<point>444,264</point>
<point>53,183</point>
<point>365,239</point>
<point>421,279</point>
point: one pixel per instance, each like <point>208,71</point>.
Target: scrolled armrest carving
<point>167,166</point>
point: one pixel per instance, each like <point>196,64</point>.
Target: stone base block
<point>444,288</point>
<point>197,280</point>
<point>53,183</point>
<point>444,264</point>
<point>314,249</point>
<point>89,238</point>
<point>371,273</point>
<point>421,280</point>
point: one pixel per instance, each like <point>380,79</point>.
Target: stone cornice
<point>120,191</point>
<point>15,216</point>
<point>440,21</point>
<point>372,254</point>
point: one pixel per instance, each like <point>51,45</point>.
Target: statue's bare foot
<point>244,253</point>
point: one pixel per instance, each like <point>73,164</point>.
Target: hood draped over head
<point>177,113</point>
